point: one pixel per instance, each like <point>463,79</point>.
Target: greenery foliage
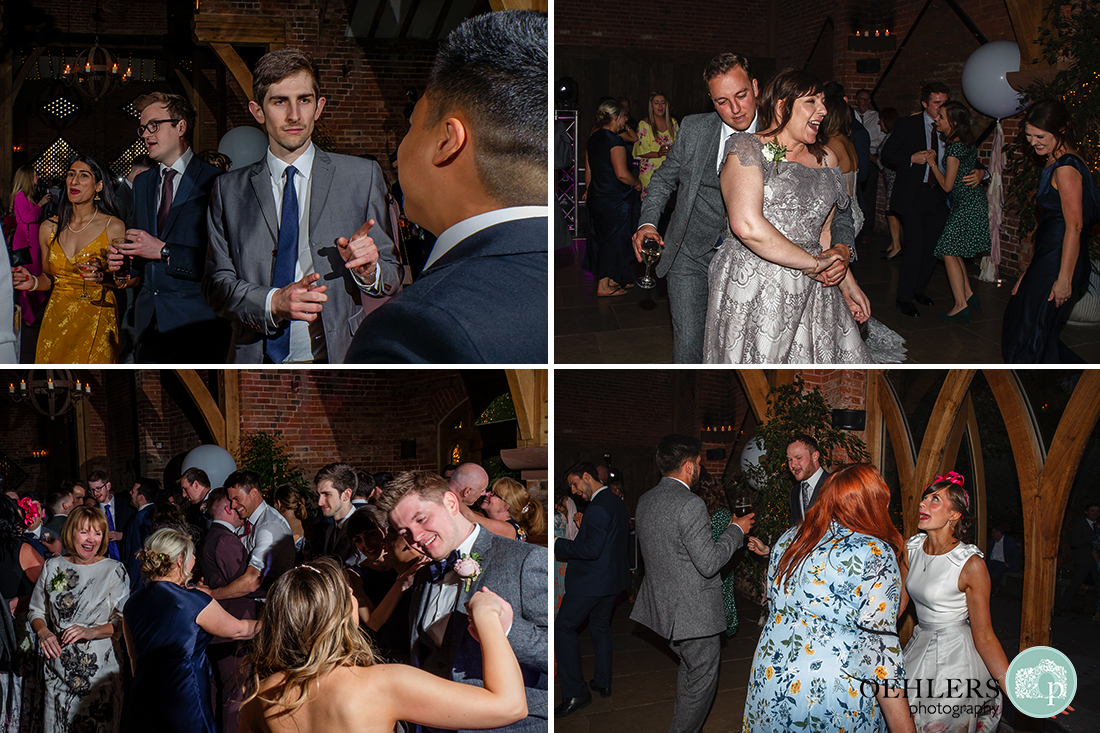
<point>500,409</point>
<point>265,453</point>
<point>791,409</point>
<point>1067,37</point>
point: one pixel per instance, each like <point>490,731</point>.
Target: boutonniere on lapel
<point>775,153</point>
<point>468,567</point>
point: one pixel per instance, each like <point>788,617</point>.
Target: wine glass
<point>122,274</point>
<point>87,263</point>
<point>651,253</point>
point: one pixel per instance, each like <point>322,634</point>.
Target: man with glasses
<point>172,321</point>
<point>118,512</point>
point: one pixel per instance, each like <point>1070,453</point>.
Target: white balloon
<point>215,460</point>
<point>985,79</point>
<point>751,455</point>
<point>244,145</point>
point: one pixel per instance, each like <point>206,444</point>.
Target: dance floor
<point>643,686</point>
<point>636,328</point>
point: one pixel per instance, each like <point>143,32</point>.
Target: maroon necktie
<point>247,528</point>
<point>165,200</point>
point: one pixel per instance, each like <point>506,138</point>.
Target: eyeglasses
<point>152,126</point>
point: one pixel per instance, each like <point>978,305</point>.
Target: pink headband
<point>956,479</point>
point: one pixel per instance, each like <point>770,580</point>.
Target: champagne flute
<point>651,253</point>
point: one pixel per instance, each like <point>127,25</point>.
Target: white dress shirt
<point>466,228</point>
<point>444,595</point>
<point>180,166</point>
<point>270,543</point>
<point>869,119</point>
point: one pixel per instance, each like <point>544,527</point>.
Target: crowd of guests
<point>297,257</point>
<point>838,581</point>
<point>210,609</point>
<point>748,231</point>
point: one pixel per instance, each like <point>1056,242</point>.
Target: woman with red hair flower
<point>953,643</point>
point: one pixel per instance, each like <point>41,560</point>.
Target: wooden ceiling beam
<point>1027,18</point>
<point>541,5</point>
<point>255,30</point>
<point>236,65</point>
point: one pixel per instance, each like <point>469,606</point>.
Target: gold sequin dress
<point>77,330</point>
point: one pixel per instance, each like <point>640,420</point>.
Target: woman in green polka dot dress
<point>967,230</point>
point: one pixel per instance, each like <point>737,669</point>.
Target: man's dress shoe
<point>604,691</point>
<point>571,705</point>
<point>907,308</point>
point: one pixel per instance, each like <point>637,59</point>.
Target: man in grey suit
<point>681,593</point>
<point>699,219</point>
<point>804,461</point>
<point>280,265</point>
<point>429,517</point>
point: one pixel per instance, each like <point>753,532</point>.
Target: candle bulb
<point>87,389</point>
<point>887,31</point>
<point>49,383</point>
<point>22,385</point>
<point>11,389</point>
<point>114,69</point>
<point>876,33</point>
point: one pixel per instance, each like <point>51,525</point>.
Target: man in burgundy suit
<point>223,559</point>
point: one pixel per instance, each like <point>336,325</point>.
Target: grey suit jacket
<point>700,214</point>
<point>517,572</point>
<point>244,234</point>
<point>681,593</point>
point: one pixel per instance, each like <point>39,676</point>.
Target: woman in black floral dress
<point>76,612</point>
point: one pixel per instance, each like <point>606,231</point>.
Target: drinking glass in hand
<point>651,253</point>
<point>88,264</point>
<point>122,274</point>
<point>742,506</point>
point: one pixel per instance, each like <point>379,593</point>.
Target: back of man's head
<point>148,489</point>
<point>674,450</point>
<point>493,68</point>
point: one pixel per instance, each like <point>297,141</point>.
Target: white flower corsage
<point>468,567</point>
<point>776,153</point>
<point>59,582</point>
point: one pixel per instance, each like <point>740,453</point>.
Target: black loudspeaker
<point>850,419</point>
<point>716,454</point>
<point>408,449</point>
<point>867,66</point>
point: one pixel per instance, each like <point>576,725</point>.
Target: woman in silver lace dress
<point>781,187</point>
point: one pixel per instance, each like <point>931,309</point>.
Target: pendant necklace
<point>930,557</point>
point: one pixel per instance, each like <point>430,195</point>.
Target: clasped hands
<point>928,157</point>
<point>832,264</point>
<point>51,644</point>
<point>303,300</point>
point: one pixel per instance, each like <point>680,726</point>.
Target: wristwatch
<point>165,253</point>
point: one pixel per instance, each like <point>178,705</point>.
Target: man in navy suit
<point>172,321</point>
<point>474,171</point>
<point>118,512</point>
<point>917,197</point>
<point>596,572</point>
<point>143,498</point>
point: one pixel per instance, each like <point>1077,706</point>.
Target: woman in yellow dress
<point>80,325</point>
<point>656,133</point>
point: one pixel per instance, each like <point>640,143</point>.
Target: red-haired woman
<point>953,642</point>
<point>829,656</point>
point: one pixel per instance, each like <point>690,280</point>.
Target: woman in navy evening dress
<point>1069,205</point>
<point>611,193</point>
<point>167,628</point>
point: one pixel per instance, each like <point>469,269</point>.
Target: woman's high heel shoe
<point>974,302</point>
<point>964,314</point>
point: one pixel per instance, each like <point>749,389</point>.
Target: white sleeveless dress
<point>947,680</point>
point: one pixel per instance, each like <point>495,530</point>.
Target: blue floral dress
<point>831,636</point>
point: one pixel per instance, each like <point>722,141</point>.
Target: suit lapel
<point>319,184</point>
<point>261,186</point>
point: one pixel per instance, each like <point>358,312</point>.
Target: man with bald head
<point>470,483</point>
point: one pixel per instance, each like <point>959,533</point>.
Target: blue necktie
<point>439,568</point>
<point>112,547</point>
<point>286,259</point>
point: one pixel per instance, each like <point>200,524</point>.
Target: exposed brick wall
<point>364,110</point>
<point>354,416</point>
